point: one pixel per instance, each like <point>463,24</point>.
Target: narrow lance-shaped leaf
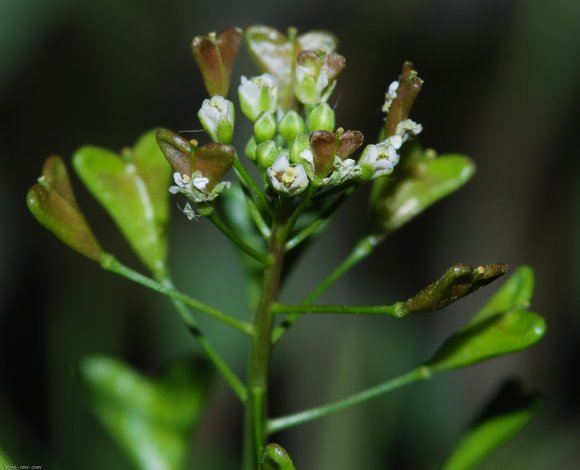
<point>502,418</point>
<point>131,189</point>
<point>53,204</point>
<point>419,181</point>
<point>276,458</point>
<point>151,420</point>
<point>495,336</point>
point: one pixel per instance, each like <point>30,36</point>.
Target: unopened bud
<point>266,154</point>
<point>291,125</point>
<point>265,127</point>
<point>321,118</point>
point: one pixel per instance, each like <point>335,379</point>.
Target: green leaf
<point>53,204</point>
<point>5,461</point>
<point>275,53</point>
<point>421,180</point>
<point>457,282</point>
<point>515,293</point>
<point>131,188</point>
<point>495,336</point>
<point>276,458</point>
<point>151,420</point>
<point>502,418</point>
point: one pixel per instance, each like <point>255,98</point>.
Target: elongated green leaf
<point>515,293</point>
<point>130,188</point>
<point>151,420</point>
<point>53,204</point>
<point>276,458</point>
<point>422,180</point>
<point>502,418</point>
<point>5,461</point>
<point>495,336</point>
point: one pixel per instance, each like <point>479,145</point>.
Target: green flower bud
<point>299,145</point>
<point>265,127</point>
<point>251,148</point>
<point>321,118</point>
<point>266,153</point>
<point>291,125</point>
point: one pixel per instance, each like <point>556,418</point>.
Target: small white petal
<point>200,183</point>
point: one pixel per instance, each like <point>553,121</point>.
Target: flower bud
<point>299,145</point>
<point>266,153</point>
<point>315,75</point>
<point>217,118</point>
<point>251,148</point>
<point>265,127</point>
<point>321,118</point>
<point>257,95</point>
<point>291,125</point>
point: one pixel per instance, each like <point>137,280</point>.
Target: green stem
<point>228,232</point>
<point>109,263</point>
<point>254,189</point>
<point>259,221</point>
<point>320,221</point>
<point>306,200</point>
<point>215,358</point>
<point>285,422</point>
<point>396,310</point>
<point>362,249</point>
<point>261,347</point>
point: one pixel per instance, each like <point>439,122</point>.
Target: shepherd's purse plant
<point>307,166</point>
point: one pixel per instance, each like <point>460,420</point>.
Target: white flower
<point>217,118</point>
<point>408,128</point>
<point>258,94</point>
<point>378,159</point>
<point>344,170</point>
<point>195,188</point>
<point>390,95</point>
<point>287,179</point>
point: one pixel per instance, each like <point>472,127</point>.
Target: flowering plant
<point>307,167</point>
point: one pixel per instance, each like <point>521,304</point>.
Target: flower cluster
<point>292,147</point>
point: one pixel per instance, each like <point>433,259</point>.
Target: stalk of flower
<point>217,118</point>
<point>285,178</point>
<point>315,75</point>
<point>257,95</point>
<point>326,156</point>
<point>198,171</point>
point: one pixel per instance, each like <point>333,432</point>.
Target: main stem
<point>255,419</point>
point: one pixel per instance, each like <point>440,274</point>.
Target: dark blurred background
<point>501,85</point>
